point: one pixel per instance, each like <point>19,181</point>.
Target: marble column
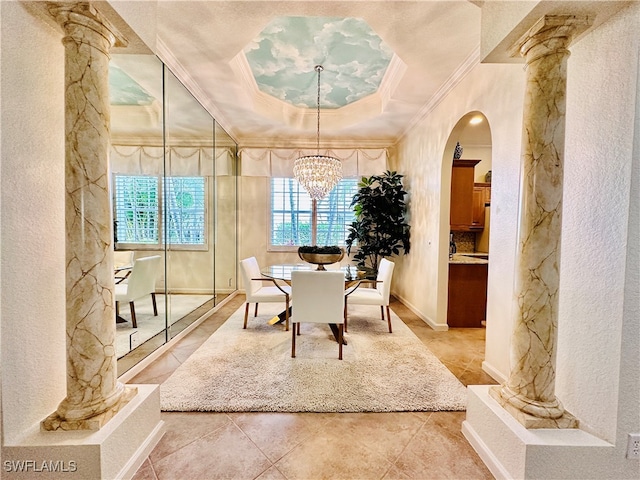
<point>94,394</point>
<point>529,393</point>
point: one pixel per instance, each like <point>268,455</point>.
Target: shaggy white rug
<point>238,370</point>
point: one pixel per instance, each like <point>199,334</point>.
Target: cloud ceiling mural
<point>283,56</point>
<point>123,90</point>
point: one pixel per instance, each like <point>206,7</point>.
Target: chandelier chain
<point>318,174</point>
<point>319,69</point>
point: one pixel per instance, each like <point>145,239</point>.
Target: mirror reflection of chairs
<point>319,298</point>
<point>373,296</point>
<point>122,264</point>
<point>140,283</point>
<point>257,292</point>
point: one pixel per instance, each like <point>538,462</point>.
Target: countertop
<point>469,258</point>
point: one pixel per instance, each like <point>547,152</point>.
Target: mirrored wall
<point>174,191</point>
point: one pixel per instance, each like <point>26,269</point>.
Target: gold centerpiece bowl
<point>321,256</point>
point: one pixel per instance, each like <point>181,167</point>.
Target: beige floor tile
<point>440,451</point>
<point>182,428</point>
<point>224,454</point>
<point>310,446</point>
<point>333,454</point>
<point>276,434</point>
<point>386,434</point>
<point>164,365</point>
<point>395,474</point>
<point>272,473</point>
<point>145,472</point>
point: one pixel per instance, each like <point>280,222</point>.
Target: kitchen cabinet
<point>481,199</point>
<point>477,209</point>
<point>461,217</point>
<point>467,298</point>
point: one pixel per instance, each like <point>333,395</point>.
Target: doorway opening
<point>469,151</point>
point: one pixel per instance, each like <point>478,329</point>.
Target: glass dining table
<point>353,277</point>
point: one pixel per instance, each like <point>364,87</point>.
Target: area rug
<point>251,370</point>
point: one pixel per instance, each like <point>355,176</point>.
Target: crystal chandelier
<point>318,174</point>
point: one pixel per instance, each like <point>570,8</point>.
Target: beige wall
<point>598,367</point>
<point>254,223</point>
<point>599,281</point>
<point>423,155</point>
<point>32,279</point>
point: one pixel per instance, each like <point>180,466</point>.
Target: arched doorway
<point>469,220</point>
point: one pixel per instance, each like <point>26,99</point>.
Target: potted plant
<point>320,256</point>
<point>380,229</point>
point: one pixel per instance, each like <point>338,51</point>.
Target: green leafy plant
<point>380,229</point>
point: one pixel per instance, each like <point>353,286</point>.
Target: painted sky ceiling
<point>283,56</point>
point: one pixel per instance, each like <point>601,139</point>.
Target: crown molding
<point>182,74</point>
<point>454,79</point>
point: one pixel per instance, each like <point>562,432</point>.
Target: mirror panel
<point>174,193</point>
<point>226,214</point>
<point>188,206</point>
<point>137,165</point>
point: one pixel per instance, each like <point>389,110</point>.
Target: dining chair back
<point>140,283</point>
<point>122,264</point>
<point>319,298</point>
<point>379,295</point>
<point>258,290</point>
<point>122,258</point>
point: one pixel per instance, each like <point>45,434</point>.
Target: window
<point>139,201</point>
<point>297,220</point>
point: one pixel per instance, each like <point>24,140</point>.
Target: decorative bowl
<point>321,259</point>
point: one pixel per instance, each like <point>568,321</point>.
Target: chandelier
<point>318,174</point>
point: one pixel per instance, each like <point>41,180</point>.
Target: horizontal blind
<point>136,208</point>
<point>185,210</point>
<point>290,213</point>
<point>335,214</point>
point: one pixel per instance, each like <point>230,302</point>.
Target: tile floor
<point>310,446</point>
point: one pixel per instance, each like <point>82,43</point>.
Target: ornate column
<point>93,393</point>
<point>529,393</point>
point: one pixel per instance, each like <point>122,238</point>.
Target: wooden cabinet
<point>481,199</point>
<point>477,209</point>
<point>467,302</point>
<point>461,217</point>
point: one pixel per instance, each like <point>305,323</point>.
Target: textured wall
<point>32,278</point>
<point>421,280</point>
<point>599,326</point>
<point>602,93</point>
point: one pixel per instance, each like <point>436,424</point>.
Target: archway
<point>469,220</point>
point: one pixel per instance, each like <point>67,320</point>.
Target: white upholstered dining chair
<point>258,291</point>
<point>140,283</point>
<point>319,298</point>
<point>122,264</point>
<point>379,295</point>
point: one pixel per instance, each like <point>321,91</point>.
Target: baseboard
<point>440,327</point>
<point>487,457</point>
<point>493,373</point>
<point>142,453</point>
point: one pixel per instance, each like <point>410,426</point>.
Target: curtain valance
<point>181,161</point>
<point>265,162</point>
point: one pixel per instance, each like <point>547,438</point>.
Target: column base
<point>552,417</point>
<point>55,422</point>
<point>511,451</point>
<point>115,451</point>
